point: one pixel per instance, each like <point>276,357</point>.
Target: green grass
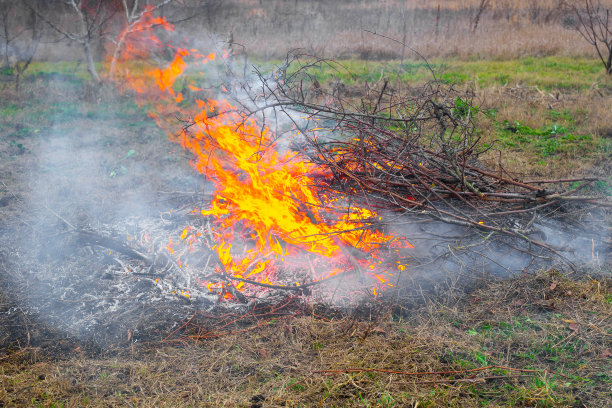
<point>29,116</point>
<point>547,73</point>
<point>76,71</point>
<point>546,141</point>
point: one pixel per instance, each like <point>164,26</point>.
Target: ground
<point>547,336</point>
<point>538,339</point>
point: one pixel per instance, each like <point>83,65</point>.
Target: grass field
<point>543,108</point>
<point>547,335</point>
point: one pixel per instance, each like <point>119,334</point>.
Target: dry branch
<point>420,156</point>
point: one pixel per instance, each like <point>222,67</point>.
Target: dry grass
<point>506,29</point>
<point>585,149</point>
<point>548,323</point>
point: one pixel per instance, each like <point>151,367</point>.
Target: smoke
<point>103,167</point>
<point>448,259</point>
<point>107,167</point>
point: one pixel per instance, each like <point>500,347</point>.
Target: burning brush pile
<point>302,177</point>
<point>310,188</point>
<point>276,223</point>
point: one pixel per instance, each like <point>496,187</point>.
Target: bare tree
<point>88,26</point>
<point>595,26</point>
<point>133,14</point>
<point>20,34</point>
<point>92,18</point>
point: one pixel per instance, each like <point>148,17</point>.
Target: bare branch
<point>595,26</point>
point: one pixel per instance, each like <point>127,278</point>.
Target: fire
<point>271,220</point>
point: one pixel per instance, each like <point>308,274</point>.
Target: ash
<point>67,193</point>
<point>100,294</point>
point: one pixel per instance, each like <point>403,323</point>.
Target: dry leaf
<point>553,285</point>
<point>575,327</point>
<point>548,304</point>
<point>606,353</point>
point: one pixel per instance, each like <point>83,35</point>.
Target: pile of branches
<point>416,151</point>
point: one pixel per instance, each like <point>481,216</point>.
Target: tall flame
<point>270,215</point>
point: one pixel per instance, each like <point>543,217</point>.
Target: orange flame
<point>269,213</point>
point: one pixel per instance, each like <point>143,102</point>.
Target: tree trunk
<point>91,66</point>
<point>113,64</point>
<point>6,40</point>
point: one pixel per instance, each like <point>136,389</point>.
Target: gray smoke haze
<point>107,168</point>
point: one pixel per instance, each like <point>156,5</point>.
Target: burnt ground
<point>69,164</point>
<point>87,324</point>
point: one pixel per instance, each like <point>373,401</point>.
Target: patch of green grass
<point>453,78</point>
<point>548,73</point>
<point>564,115</point>
<point>546,141</point>
<point>67,70</point>
<point>8,111</point>
<point>605,146</point>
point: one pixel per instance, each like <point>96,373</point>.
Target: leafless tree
<point>133,13</point>
<point>88,26</point>
<point>595,25</point>
<point>20,34</point>
<point>90,19</point>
